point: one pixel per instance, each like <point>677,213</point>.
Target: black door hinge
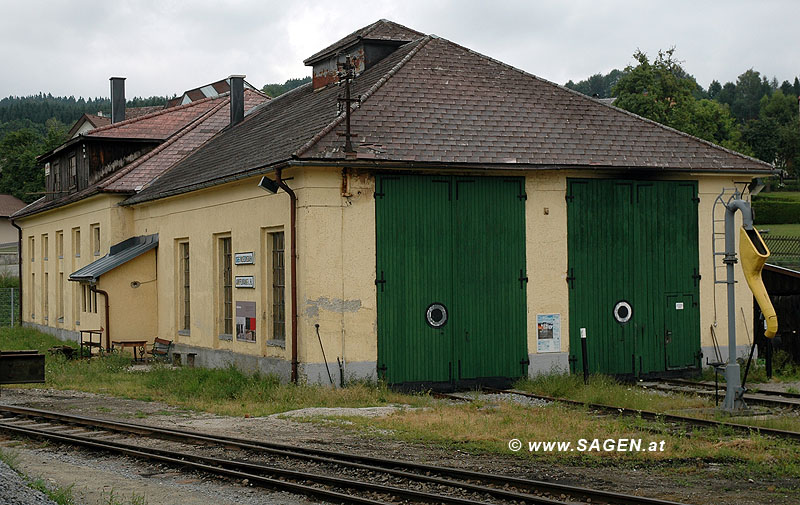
<point>522,278</point>
<point>525,361</point>
<point>696,276</point>
<point>377,194</point>
<point>569,198</point>
<point>380,281</point>
<point>696,199</point>
<point>523,196</point>
<point>571,278</point>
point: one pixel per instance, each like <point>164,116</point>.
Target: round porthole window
<point>436,315</point>
<point>623,312</point>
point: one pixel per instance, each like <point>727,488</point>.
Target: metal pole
<point>584,354</point>
<point>12,304</point>
<point>733,393</point>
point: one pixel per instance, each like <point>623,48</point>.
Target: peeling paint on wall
<point>334,305</point>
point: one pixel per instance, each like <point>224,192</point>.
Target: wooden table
<point>139,345</point>
<point>89,342</point>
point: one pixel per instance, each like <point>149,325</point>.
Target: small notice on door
<point>548,332</point>
<point>678,305</point>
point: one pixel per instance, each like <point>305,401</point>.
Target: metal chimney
<point>117,99</point>
<point>237,99</point>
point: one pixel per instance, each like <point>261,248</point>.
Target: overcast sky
<point>164,47</point>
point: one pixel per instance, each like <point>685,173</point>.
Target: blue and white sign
<point>548,333</point>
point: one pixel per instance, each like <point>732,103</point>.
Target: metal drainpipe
<point>19,258</point>
<point>108,324</point>
<point>293,271</point>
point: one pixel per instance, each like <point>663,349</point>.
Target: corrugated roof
<point>119,254</point>
<point>433,101</point>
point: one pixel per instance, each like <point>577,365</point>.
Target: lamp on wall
<point>268,185</point>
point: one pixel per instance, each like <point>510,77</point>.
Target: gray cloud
<point>165,47</point>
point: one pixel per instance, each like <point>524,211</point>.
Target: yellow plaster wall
<point>247,214</point>
<point>115,225</point>
<point>547,257</point>
<point>133,311</point>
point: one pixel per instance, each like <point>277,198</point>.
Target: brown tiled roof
<point>9,204</point>
<point>379,30</point>
<point>143,169</point>
<point>146,168</point>
<point>158,125</point>
<point>433,101</point>
<point>134,112</point>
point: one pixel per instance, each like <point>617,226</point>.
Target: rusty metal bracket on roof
<point>347,74</point>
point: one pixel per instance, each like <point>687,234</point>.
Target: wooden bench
<point>160,348</point>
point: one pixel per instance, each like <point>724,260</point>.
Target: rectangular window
<point>32,248</point>
<point>45,245</point>
<point>60,298</point>
<point>89,299</point>
<point>185,305</point>
<point>56,177</point>
<point>32,295</point>
<point>60,244</point>
<point>76,242</point>
<point>96,239</point>
<point>45,296</point>
<point>73,172</point>
<point>278,287</point>
<point>226,285</point>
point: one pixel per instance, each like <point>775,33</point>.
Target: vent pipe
<point>117,99</point>
<point>237,99</point>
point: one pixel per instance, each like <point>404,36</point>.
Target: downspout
<point>108,324</point>
<point>293,271</point>
<point>19,257</point>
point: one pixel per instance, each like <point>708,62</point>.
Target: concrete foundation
<point>742,352</point>
<point>219,358</point>
<point>59,333</point>
<point>545,363</point>
<point>315,373</point>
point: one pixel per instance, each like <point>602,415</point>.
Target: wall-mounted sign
<point>246,321</point>
<point>245,281</point>
<point>245,258</point>
<point>47,169</point>
<point>548,332</point>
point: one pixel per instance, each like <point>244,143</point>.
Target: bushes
<point>776,210</point>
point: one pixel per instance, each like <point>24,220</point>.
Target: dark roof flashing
<point>119,254</point>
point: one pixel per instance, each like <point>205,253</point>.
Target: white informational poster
<point>548,332</point>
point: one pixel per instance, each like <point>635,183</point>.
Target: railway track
<point>328,475</point>
<point>656,416</point>
<point>767,398</point>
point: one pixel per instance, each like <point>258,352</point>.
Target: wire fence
<point>784,250</point>
<point>9,306</point>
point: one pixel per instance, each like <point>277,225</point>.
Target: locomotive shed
<point>433,217</point>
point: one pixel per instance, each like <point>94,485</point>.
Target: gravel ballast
<point>13,490</point>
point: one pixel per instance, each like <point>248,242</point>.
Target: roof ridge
<point>629,113</point>
<point>180,134</point>
<point>380,82</point>
<point>152,114</point>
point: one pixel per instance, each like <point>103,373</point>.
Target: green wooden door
<point>459,242</point>
<point>633,242</point>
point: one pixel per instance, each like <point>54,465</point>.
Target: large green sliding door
<point>634,243</point>
<point>458,242</point>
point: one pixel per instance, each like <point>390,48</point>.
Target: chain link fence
<point>9,306</point>
<point>784,251</point>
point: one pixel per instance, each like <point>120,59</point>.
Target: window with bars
<point>226,284</point>
<point>278,287</point>
<point>45,246</point>
<point>185,313</point>
<point>60,244</point>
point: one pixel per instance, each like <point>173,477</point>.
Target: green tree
<point>274,90</point>
<point>19,173</point>
<point>664,92</point>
